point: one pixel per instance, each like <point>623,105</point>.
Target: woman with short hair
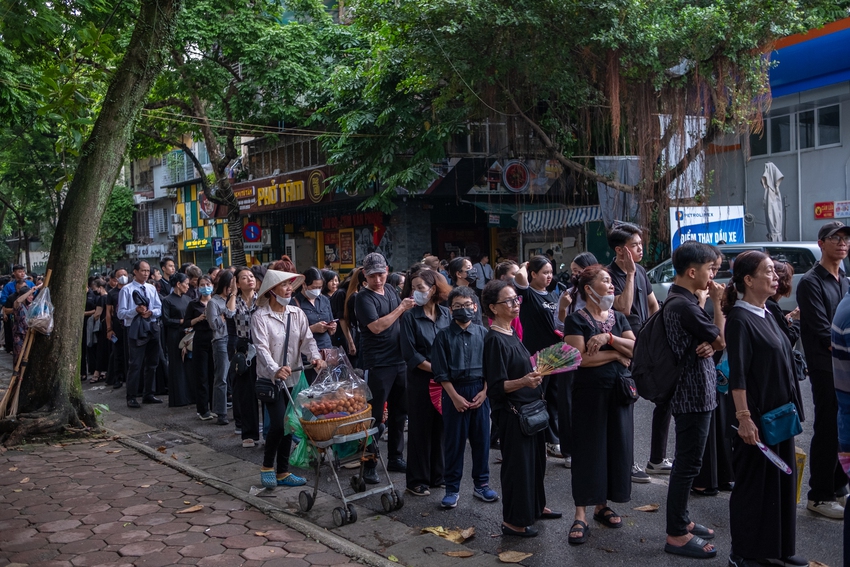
<point>181,391</point>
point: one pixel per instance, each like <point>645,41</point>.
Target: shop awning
<point>533,221</point>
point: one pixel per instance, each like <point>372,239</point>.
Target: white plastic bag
<point>40,313</point>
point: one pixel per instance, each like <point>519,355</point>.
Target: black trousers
<point>603,445</point>
<point>826,478</point>
<point>278,443</point>
<point>763,505</point>
<point>522,471</point>
<point>143,361</point>
<point>202,374</point>
<point>245,399</point>
<point>389,385</point>
<point>565,411</point>
<point>717,458</point>
<point>661,416</point>
<point>550,394</point>
<point>424,433</point>
<point>117,369</point>
<point>691,435</point>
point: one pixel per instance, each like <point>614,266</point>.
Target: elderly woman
<point>512,383</point>
<point>762,508</point>
<point>603,426</point>
<point>281,334</point>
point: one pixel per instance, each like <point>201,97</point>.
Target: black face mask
<point>463,315</point>
<point>471,276</point>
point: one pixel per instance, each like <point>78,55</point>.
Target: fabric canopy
<point>533,221</point>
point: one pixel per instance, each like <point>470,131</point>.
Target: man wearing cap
<point>378,309</point>
<point>818,295</point>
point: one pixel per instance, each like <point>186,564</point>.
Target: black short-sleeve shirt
<point>606,375</point>
<point>643,288</point>
<point>685,322</point>
<point>112,299</point>
<point>384,348</point>
<point>537,315</point>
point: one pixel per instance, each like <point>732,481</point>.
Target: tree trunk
<point>27,251</point>
<point>51,392</point>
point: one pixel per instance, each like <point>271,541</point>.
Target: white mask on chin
<point>605,302</point>
<point>282,300</point>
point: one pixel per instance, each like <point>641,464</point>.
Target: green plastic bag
<point>304,453</point>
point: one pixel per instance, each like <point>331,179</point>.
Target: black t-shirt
<point>606,375</point>
<point>203,332</point>
<point>317,312</point>
<point>100,301</point>
<point>384,348</point>
<point>112,299</point>
<point>640,302</point>
<point>760,360</point>
<point>537,315</point>
<point>506,358</point>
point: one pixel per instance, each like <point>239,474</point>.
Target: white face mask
<point>421,297</point>
<point>122,280</point>
<point>312,293</point>
<point>282,300</point>
<point>605,302</point>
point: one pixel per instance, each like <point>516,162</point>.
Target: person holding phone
<point>317,307</point>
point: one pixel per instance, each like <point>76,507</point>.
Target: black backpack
<point>655,367</point>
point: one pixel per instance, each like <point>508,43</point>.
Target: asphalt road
<point>639,543</point>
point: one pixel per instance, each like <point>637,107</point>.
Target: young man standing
<point>818,295</point>
<point>378,309</point>
<point>485,273</point>
<point>690,329</point>
<point>634,298</point>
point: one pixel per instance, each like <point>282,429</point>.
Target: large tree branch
<point>566,162</point>
<point>169,102</point>
<point>668,177</point>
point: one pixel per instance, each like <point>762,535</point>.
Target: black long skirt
<point>522,471</point>
<point>181,391</point>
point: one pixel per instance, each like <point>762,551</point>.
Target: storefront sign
<point>196,244</point>
<point>281,191</point>
<point>208,209</point>
<point>331,240</point>
<point>346,247</point>
<point>252,246</point>
<point>825,210</point>
<point>348,221</point>
<point>515,176</point>
<point>706,224</point>
<point>842,209</point>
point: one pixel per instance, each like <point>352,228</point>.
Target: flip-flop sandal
<point>604,518</point>
<point>702,531</point>
<point>578,526</point>
<point>693,549</point>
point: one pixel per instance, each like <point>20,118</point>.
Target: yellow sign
<point>195,244</point>
<point>316,186</point>
<point>292,191</point>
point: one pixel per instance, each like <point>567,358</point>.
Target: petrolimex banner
<point>711,225</point>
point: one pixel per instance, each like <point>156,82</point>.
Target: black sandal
<point>578,526</point>
<point>604,518</point>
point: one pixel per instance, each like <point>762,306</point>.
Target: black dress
<point>181,391</point>
<point>763,507</point>
<point>102,347</point>
<point>603,428</point>
<point>523,457</point>
<point>200,371</point>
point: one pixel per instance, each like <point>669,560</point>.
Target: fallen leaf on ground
<point>393,558</point>
<point>463,553</point>
<point>17,490</point>
<point>99,445</point>
<point>174,456</point>
<point>457,536</point>
<point>190,509</point>
<point>162,449</point>
<point>13,469</point>
<point>145,486</point>
<point>186,502</point>
<point>513,556</point>
<point>425,514</point>
<point>817,564</point>
<point>25,480</point>
<point>113,451</point>
<point>261,534</point>
<point>648,508</point>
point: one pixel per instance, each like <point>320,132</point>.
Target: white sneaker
<point>842,500</point>
<point>248,443</point>
<point>554,450</point>
<point>664,467</point>
<point>568,462</point>
<point>830,509</point>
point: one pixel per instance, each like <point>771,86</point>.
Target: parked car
<point>801,255</point>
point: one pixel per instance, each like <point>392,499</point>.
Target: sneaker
<point>248,443</point>
<point>420,490</point>
<point>207,416</point>
<point>450,500</point>
<point>830,509</point>
<point>291,480</point>
<point>638,476</point>
<point>397,465</point>
<point>229,405</point>
<point>237,431</point>
<point>568,461</point>
<point>664,467</point>
<point>222,421</point>
<point>793,561</point>
<point>484,493</point>
<point>370,476</point>
<point>268,479</point>
<point>736,561</point>
<point>554,450</point>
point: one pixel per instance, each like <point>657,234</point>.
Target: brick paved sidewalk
<point>98,503</point>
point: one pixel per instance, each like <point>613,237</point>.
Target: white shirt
<point>268,331</point>
<point>127,307</point>
<point>754,309</point>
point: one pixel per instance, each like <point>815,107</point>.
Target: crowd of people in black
<point>446,352</point>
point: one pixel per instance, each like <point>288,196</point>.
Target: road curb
<point>321,535</point>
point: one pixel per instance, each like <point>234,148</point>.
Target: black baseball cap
<point>832,228</point>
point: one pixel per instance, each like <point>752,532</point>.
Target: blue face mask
<point>206,290</point>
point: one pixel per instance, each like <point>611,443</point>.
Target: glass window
<point>828,126</point>
<point>801,259</point>
<point>806,129</point>
<point>758,144</point>
<point>780,134</point>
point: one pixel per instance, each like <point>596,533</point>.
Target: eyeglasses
<point>838,239</point>
<point>514,301</point>
<point>467,305</point>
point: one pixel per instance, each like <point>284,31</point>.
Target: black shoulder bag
<point>533,417</point>
<point>267,389</point>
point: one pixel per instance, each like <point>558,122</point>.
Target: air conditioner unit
<point>176,230</point>
<point>266,238</point>
<point>176,219</point>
